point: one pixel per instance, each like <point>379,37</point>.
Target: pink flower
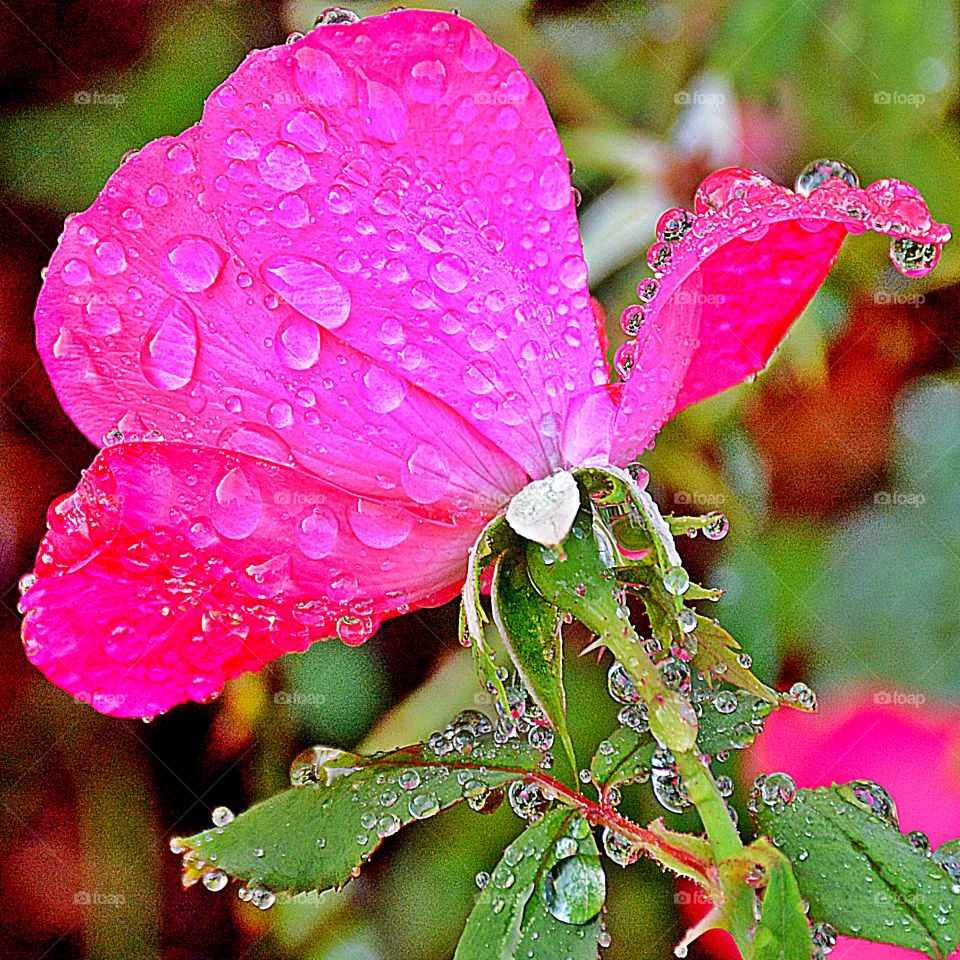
<point>325,335</point>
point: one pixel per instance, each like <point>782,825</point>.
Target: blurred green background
<point>838,467</point>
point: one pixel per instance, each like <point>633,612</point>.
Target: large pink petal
<point>173,568</point>
<point>147,321</point>
<point>749,259</point>
<point>400,182</point>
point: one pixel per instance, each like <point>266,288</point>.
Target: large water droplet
<point>425,475</point>
<point>169,354</point>
<point>193,263</point>
<point>319,76</point>
<point>298,343</point>
<point>574,889</point>
<point>379,525</point>
<point>317,533</point>
<point>382,110</point>
<point>321,765</point>
<point>283,166</point>
<point>381,390</point>
<point>307,130</point>
<point>426,81</point>
<point>913,258</point>
<point>235,505</point>
<point>450,273</point>
<point>310,287</point>
<point>870,796</point>
<point>817,173</point>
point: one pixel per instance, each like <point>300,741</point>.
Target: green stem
<point>705,796</point>
<point>701,787</point>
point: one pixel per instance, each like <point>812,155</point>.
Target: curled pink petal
<point>172,568</point>
<point>399,182</point>
<point>761,252</point>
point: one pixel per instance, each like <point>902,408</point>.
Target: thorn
<point>597,644</point>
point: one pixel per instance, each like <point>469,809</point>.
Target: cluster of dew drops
<point>907,213</point>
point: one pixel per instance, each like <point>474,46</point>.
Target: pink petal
<point>173,568</point>
<point>399,181</point>
<point>761,252</point>
<point>147,321</point>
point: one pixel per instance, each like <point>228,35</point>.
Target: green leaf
<point>625,755</point>
<point>317,836</point>
<point>784,933</point>
<point>541,901</point>
<point>530,627</point>
<point>717,652</point>
<point>861,875</point>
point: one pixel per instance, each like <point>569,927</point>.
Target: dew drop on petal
<point>426,81</point>
<point>235,505</point>
<point>283,166</point>
<point>425,475</point>
<point>817,173</point>
<point>310,287</point>
<point>319,76</point>
<point>317,533</point>
<point>193,263</point>
<point>169,353</point>
<point>298,343</point>
<point>378,525</point>
<point>307,130</point>
<point>381,390</point>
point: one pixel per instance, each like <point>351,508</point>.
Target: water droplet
<point>298,343</point>
<point>307,130</point>
<point>426,81</point>
<point>620,848</point>
<point>379,525</point>
<point>283,166</point>
<point>310,287</point>
<point>235,505</point>
<point>193,263</point>
<point>817,173</point>
<point>621,686</point>
<point>913,258</point>
<point>169,353</point>
<point>215,880</point>
<point>317,533</point>
<point>423,805</point>
<point>676,580</point>
<point>320,766</point>
<point>450,273</point>
<point>381,390</point>
<point>574,889</point>
<point>870,796</point>
<point>425,475</point>
<point>776,790</point>
<point>222,816</point>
